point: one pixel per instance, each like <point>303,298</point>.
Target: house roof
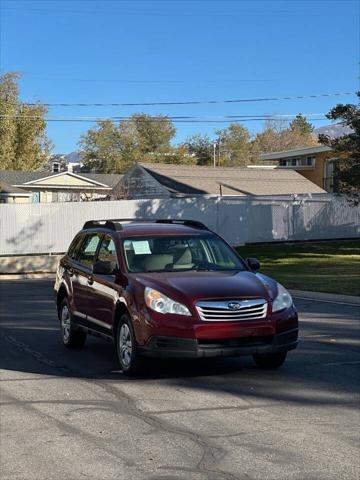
<point>195,180</point>
<point>5,188</point>
<point>14,177</point>
<point>296,152</point>
<point>110,179</point>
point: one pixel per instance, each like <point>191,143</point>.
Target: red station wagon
<point>170,288</point>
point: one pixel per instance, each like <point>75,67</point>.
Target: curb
<point>27,276</point>
<point>326,297</point>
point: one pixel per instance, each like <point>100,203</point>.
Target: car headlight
<point>283,299</point>
<point>161,303</point>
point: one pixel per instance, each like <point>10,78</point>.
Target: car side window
<point>88,250</point>
<point>75,246</point>
<point>107,251</point>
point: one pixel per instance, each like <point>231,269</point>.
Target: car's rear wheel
<point>71,337</point>
<point>129,360</point>
<point>270,360</point>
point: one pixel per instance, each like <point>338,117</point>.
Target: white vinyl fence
<point>49,227</point>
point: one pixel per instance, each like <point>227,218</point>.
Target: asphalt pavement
<point>71,415</point>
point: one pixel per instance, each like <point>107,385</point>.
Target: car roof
<point>148,229</point>
<point>142,229</point>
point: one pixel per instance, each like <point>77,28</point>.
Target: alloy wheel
<point>125,345</point>
<point>65,323</point>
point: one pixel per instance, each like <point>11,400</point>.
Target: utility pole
<point>214,154</point>
<point>219,141</point>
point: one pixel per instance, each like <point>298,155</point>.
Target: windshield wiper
<point>204,268</point>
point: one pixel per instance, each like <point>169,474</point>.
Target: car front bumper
<point>177,347</point>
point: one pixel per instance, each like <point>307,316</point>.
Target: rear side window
<point>107,251</point>
<point>88,249</point>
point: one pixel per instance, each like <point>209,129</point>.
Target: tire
<point>71,338</point>
<point>270,360</point>
<point>129,360</point>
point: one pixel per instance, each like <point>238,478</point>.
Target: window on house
<point>297,162</point>
<point>329,170</point>
<point>310,161</point>
<point>56,167</point>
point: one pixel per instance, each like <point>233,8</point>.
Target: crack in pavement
<point>66,427</point>
<point>210,454</point>
<point>209,409</point>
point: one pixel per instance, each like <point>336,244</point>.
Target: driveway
<point>68,415</point>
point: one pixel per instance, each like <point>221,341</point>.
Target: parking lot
<point>72,415</point>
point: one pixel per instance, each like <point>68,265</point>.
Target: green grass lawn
<point>332,267</point>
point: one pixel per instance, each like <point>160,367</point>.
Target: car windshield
<point>171,253</point>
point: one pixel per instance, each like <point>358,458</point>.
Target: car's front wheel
<point>71,337</point>
<point>270,360</point>
<point>128,358</point>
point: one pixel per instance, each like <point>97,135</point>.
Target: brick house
<point>317,164</point>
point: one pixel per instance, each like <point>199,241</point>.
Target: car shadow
<point>323,370</point>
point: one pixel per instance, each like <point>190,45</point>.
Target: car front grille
<point>232,310</point>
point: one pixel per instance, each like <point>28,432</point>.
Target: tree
<point>301,126</point>
<point>347,147</point>
<point>8,109</point>
<point>141,138</point>
<point>32,146</point>
<point>201,147</point>
<point>270,139</point>
<point>23,141</point>
<point>235,146</point>
<point>179,155</point>
<point>101,148</point>
<point>151,134</point>
<point>278,135</point>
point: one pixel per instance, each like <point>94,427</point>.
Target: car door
<point>70,273</point>
<point>105,290</point>
<point>83,276</point>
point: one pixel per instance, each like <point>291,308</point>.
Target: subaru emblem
<point>234,305</point>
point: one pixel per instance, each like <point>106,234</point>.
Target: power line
<point>193,102</point>
<point>171,117</point>
<point>220,119</point>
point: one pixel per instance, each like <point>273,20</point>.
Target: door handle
<point>90,280</point>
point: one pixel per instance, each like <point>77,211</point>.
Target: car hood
<point>210,285</point>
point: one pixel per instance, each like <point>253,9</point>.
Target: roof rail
<point>189,223</point>
<point>110,224</point>
<point>115,224</point>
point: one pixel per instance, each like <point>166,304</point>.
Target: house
<point>314,163</point>
<point>47,186</point>
<point>10,194</point>
<point>60,162</point>
<point>56,163</point>
<point>165,180</point>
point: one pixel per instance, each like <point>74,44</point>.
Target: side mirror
<point>103,268</point>
<point>253,263</point>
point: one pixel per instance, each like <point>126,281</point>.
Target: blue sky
<point>73,51</point>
